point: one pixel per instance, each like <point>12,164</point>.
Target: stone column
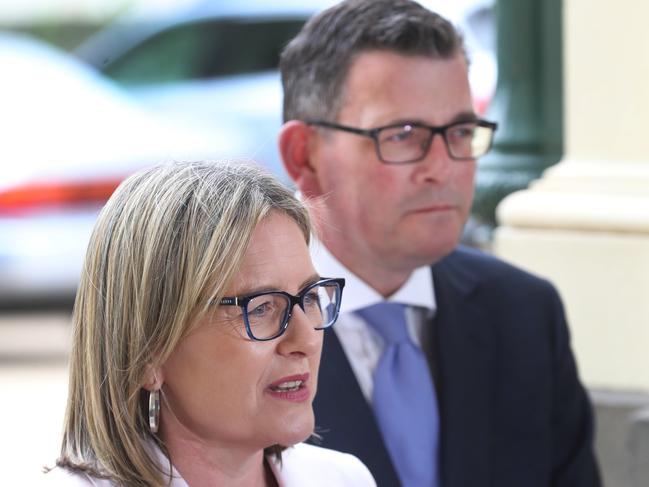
<point>585,223</point>
<point>527,103</point>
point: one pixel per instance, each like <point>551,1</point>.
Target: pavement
<point>33,390</point>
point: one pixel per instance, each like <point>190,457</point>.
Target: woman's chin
<point>296,431</point>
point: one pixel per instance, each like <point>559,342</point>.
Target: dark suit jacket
<point>512,410</point>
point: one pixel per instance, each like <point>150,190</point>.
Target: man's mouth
<point>434,208</point>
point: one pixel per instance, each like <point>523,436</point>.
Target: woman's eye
<point>260,309</point>
<point>311,299</point>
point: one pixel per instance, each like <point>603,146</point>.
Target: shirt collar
<point>416,291</point>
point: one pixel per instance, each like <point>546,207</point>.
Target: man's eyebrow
<point>465,117</point>
<point>460,117</point>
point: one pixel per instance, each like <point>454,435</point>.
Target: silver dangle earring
<point>154,410</point>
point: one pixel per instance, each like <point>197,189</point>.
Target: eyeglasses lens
<point>268,313</point>
<point>481,142</point>
<point>403,144</point>
<point>411,143</point>
<point>321,305</point>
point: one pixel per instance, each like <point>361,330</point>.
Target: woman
<point>197,338</point>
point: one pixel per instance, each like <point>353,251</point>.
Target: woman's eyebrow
<point>256,290</point>
<point>265,289</point>
<point>310,280</point>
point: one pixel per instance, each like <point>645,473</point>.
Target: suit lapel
<point>344,419</point>
<point>464,367</point>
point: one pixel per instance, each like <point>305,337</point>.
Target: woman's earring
<point>154,410</point>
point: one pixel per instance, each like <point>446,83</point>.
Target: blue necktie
<point>404,399</point>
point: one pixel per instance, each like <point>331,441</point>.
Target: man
<point>481,388</point>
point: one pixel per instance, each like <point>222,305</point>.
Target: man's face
<point>396,216</point>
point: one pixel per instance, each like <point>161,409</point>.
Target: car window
<point>204,49</point>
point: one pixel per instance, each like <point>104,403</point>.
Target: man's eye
<point>462,131</point>
<point>400,136</point>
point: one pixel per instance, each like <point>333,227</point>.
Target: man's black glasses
<point>404,143</point>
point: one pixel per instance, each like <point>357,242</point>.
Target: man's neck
<point>376,273</point>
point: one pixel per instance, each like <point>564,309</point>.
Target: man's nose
<point>436,165</point>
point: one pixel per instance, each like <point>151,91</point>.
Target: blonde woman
<point>197,336</point>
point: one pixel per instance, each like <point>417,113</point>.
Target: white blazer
<point>302,466</point>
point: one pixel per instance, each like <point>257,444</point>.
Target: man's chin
<point>434,250</point>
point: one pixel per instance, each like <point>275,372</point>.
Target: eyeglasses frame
<point>373,133</point>
<point>242,302</point>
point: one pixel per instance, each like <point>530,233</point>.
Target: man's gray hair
<point>314,65</point>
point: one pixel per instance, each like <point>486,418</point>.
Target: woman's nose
<point>301,337</point>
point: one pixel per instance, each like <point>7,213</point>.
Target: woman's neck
<point>201,465</point>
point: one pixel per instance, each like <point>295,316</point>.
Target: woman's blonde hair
<point>164,247</point>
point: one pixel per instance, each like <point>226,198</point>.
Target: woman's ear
<point>294,147</point>
<point>153,378</point>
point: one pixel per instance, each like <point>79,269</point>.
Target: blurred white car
<point>201,61</point>
<point>69,136</point>
<point>190,79</point>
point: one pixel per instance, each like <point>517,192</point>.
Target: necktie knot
<point>389,321</point>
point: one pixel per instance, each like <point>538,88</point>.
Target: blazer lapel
<point>464,352</point>
<point>344,419</point>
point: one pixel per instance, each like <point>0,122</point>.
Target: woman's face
<point>219,387</point>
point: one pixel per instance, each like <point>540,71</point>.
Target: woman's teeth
<point>293,385</point>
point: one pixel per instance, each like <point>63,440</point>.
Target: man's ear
<point>294,147</point>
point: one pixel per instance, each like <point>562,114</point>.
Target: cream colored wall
<point>606,298</point>
<point>585,223</point>
<point>606,84</point>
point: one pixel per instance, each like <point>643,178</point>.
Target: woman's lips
<point>292,388</point>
